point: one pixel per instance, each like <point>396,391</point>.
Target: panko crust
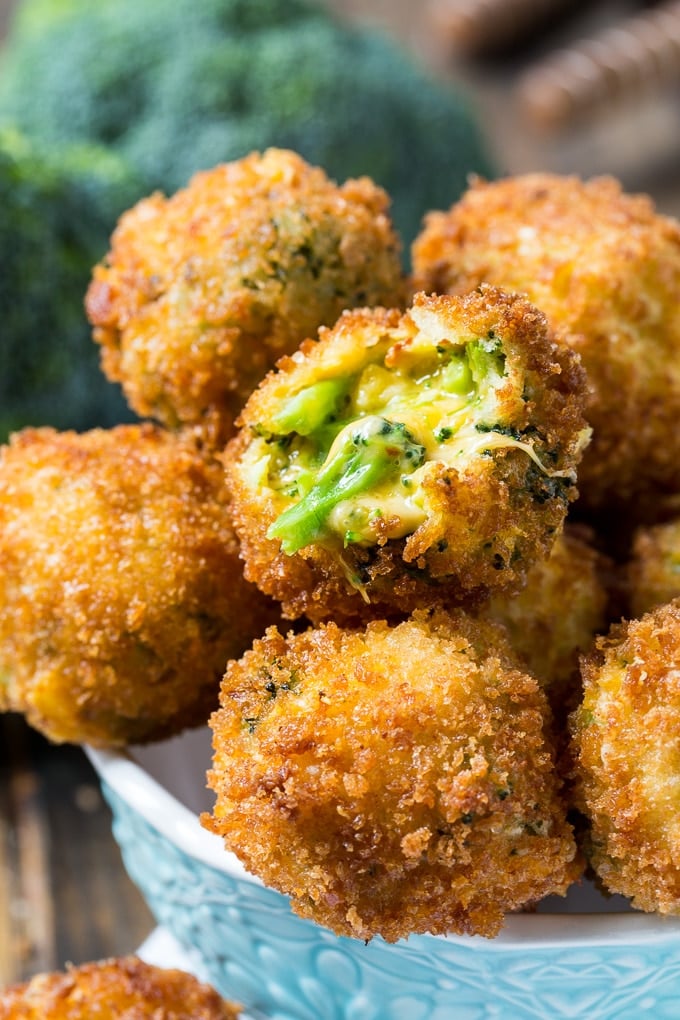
<point>123,988</point>
<point>387,800</point>
<point>488,520</point>
<point>653,571</point>
<point>626,759</point>
<point>121,592</point>
<point>605,269</point>
<point>556,616</point>
<point>203,291</point>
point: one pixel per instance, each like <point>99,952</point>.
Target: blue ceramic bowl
<point>583,957</point>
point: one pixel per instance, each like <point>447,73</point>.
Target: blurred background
<point>97,109</point>
<point>569,86</point>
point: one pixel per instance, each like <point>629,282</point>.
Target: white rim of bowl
<point>146,796</point>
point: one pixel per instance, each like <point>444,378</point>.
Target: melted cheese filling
<point>440,394</point>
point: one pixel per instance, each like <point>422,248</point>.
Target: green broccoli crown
<point>183,86</point>
<point>56,217</point>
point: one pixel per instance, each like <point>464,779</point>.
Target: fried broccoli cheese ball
<point>605,269</point>
<point>122,988</point>
<point>203,291</point>
<point>653,572</point>
<point>386,798</point>
<point>627,759</point>
<point>556,616</point>
<point>402,459</point>
<point>121,593</point>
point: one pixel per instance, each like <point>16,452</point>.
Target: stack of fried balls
<point>408,540</point>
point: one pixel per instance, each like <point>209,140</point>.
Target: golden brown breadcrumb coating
<point>203,291</point>
<point>405,459</point>
<point>557,614</point>
<point>605,269</point>
<point>627,759</point>
<point>121,593</point>
<point>117,989</point>
<point>391,780</point>
<point>653,573</point>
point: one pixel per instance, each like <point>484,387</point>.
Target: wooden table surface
<point>64,894</point>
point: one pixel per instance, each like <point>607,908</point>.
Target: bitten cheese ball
<point>125,988</point>
<point>408,458</point>
<point>393,779</point>
<point>627,762</point>
<point>604,266</point>
<point>203,291</point>
<point>121,593</point>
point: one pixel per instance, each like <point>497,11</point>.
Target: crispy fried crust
<point>653,572</point>
<point>391,780</point>
<point>556,616</point>
<point>115,989</point>
<point>489,519</point>
<point>605,269</point>
<point>627,767</point>
<point>121,593</point>
<point>203,291</point>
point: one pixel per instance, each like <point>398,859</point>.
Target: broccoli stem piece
<point>485,357</point>
<point>365,454</point>
<point>456,377</point>
<point>311,407</point>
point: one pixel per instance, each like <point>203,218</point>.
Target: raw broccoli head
<point>56,217</point>
<point>182,86</point>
